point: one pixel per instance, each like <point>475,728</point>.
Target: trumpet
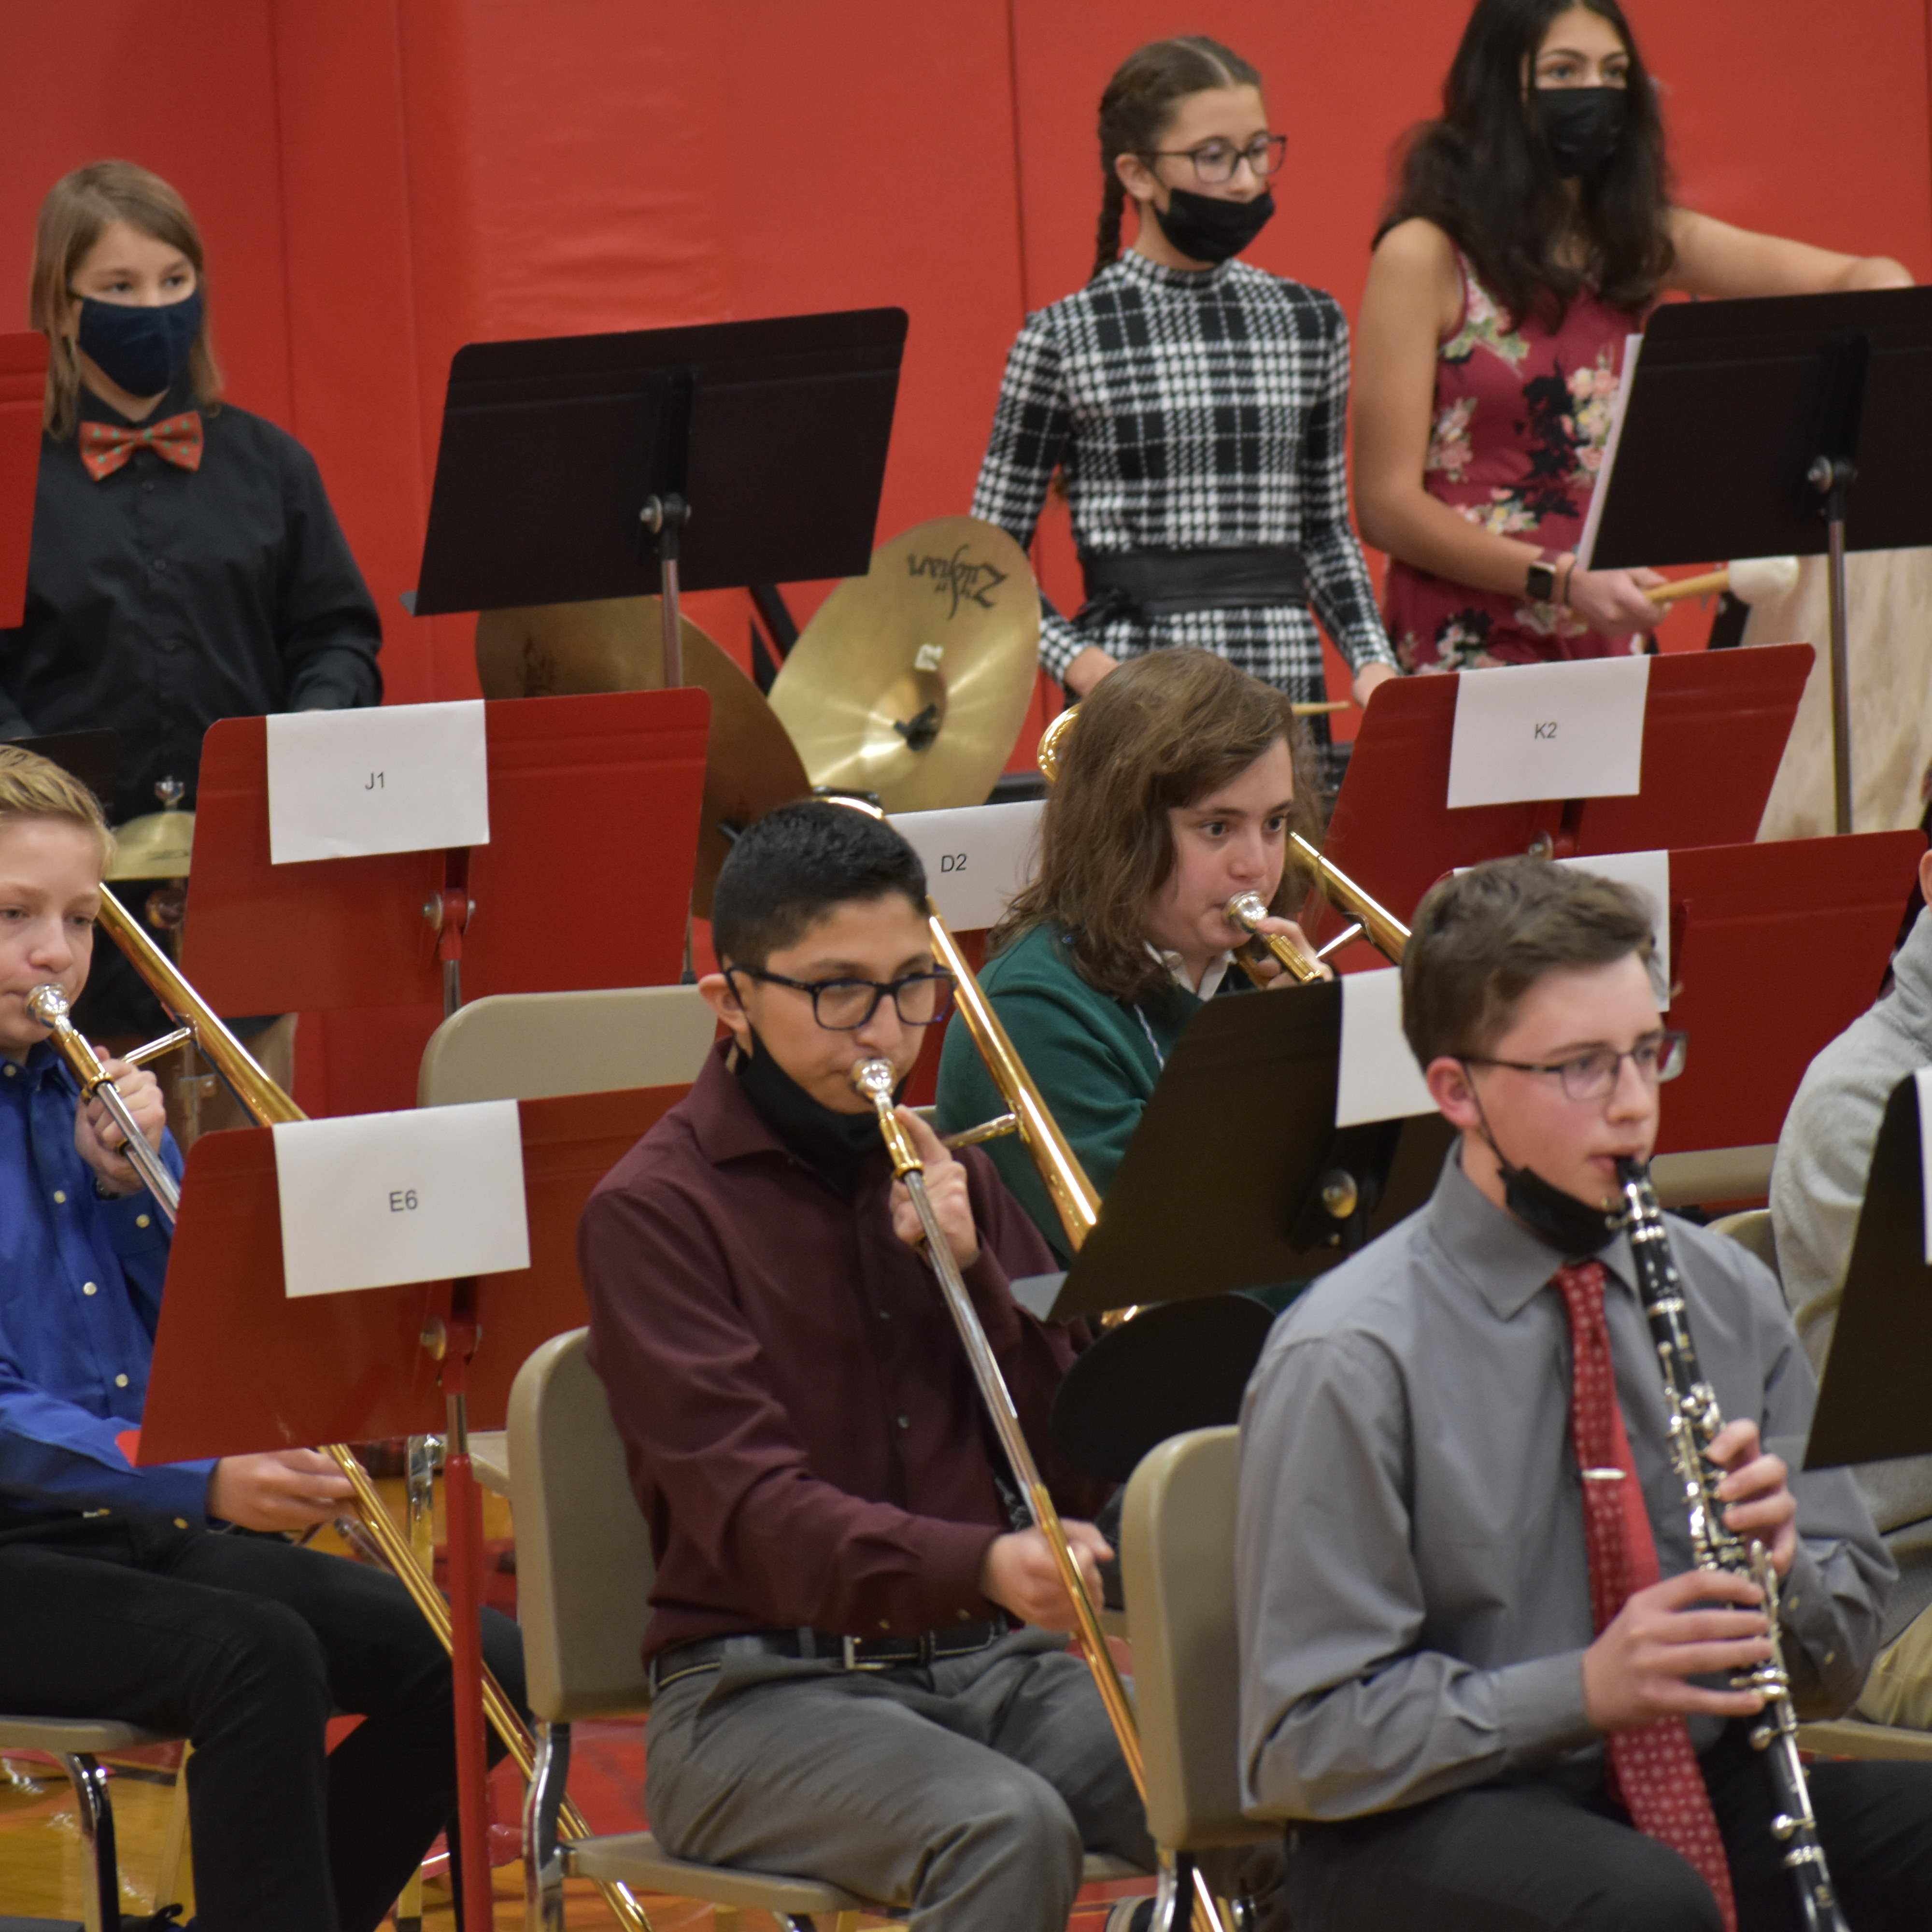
<point>1374,921</point>
<point>266,1102</point>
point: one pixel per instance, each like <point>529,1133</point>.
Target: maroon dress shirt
<point>802,1431</point>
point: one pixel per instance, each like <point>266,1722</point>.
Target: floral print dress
<point>1521,417</point>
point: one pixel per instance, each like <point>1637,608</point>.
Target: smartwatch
<point>1539,582</point>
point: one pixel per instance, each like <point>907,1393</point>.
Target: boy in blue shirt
<point>167,1597</point>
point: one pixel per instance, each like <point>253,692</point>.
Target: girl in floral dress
<point>1531,233</point>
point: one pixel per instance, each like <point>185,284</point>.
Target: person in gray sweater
<point>1817,1188</point>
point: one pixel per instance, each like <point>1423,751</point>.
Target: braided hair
<point>1138,103</point>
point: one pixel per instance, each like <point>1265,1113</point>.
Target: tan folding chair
<point>79,1743</point>
<point>529,1046</point>
<point>1751,1229</point>
<point>1177,1569</point>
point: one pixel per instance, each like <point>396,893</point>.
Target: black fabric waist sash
<point>1164,583</point>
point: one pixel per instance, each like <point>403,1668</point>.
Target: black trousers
<point>1557,1852</point>
<point>246,1645</point>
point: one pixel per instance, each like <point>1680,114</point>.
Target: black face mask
<point>834,1146</point>
<point>1581,126</point>
<point>143,349</point>
<point>1573,1228</point>
<point>1204,228</point>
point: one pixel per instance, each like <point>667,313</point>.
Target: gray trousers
<point>964,1791</point>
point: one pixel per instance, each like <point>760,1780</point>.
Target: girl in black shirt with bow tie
<point>186,564</point>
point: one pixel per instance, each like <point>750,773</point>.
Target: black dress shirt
<point>160,599</point>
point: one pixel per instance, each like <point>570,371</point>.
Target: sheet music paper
<point>1586,547</point>
<point>1649,872</point>
<point>1377,1077</point>
<point>371,1200</point>
<point>393,778</point>
<point>1573,730</point>
<point>1924,1077</point>
<point>976,857</point>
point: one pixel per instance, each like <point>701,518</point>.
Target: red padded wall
<point>381,180</point>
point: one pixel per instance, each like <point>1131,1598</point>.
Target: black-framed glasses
<point>1217,161</point>
<point>1590,1076</point>
<point>843,1005</point>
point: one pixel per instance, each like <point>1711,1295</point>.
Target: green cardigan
<point>1090,1056</point>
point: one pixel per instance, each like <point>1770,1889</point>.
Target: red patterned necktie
<point>1653,1771</point>
<point>104,447</point>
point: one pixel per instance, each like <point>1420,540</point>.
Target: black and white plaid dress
<point>1196,409</point>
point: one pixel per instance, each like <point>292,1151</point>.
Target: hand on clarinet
<point>1020,1573</point>
<point>1613,601</point>
<point>1758,1505</point>
<point>285,1489</point>
<point>98,1141</point>
<point>1635,1673</point>
<point>945,1188</point>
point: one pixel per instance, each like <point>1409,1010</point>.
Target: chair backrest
<point>1751,1229</point>
<point>1178,1565</point>
<point>527,1046</point>
<point>584,1567</point>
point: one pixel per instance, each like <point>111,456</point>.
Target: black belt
<point>848,1653</point>
<point>1165,582</point>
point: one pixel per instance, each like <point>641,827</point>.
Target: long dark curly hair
<point>1484,174</point>
<point>1138,104</point>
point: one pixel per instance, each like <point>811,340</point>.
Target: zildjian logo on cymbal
<point>976,582</point>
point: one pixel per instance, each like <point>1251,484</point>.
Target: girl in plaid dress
<point>1195,406</point>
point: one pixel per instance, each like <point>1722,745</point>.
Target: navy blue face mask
<point>142,349</point>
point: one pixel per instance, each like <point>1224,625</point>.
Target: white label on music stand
<point>1586,548</point>
<point>976,857</point>
<point>1377,1077</point>
<point>394,778</point>
<point>370,1200</point>
<point>1548,730</point>
<point>1649,873</point>
<point>1924,1077</point>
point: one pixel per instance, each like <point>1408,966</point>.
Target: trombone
<point>265,1100</point>
<point>1079,1206</point>
<point>1373,921</point>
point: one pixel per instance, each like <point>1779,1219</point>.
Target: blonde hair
<point>80,209</point>
<point>32,786</point>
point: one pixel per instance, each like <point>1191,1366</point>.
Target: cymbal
<point>156,845</point>
<point>615,643</point>
<point>912,681</point>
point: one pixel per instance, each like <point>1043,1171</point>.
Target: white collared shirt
<point>1216,970</point>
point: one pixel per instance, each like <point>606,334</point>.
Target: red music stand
<point>1714,730</point>
<point>347,1368</point>
<point>594,805</point>
<point>23,387</point>
<point>1752,930</point>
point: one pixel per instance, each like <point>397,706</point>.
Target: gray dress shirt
<point>1412,1587</point>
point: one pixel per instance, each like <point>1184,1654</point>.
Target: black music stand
<point>1237,1176</point>
<point>1871,1403</point>
<point>581,466</point>
<point>1749,427</point>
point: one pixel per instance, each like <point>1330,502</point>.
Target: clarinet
<point>1693,1422</point>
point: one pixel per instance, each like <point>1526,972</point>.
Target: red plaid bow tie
<point>1653,1769</point>
<point>175,439</point>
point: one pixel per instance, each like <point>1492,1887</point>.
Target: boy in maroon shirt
<point>855,1655</point>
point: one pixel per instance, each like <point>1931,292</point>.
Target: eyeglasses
<point>1217,161</point>
<point>843,1005</point>
<point>1590,1076</point>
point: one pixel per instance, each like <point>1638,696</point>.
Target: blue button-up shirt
<point>80,1294</point>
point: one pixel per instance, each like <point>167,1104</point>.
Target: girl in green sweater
<point>1178,786</point>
